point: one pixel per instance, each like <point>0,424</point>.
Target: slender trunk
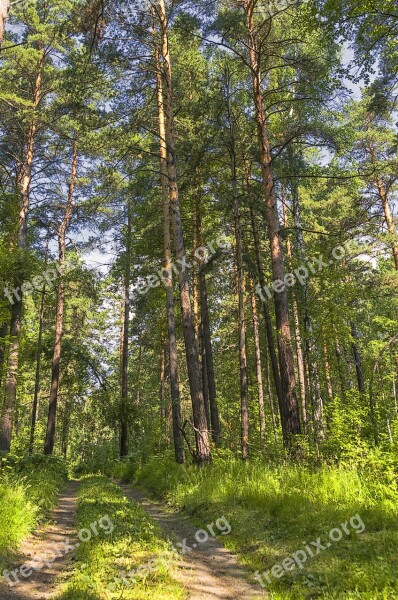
<point>259,368</point>
<point>124,420</point>
<point>290,414</point>
<point>271,400</point>
<point>168,280</point>
<point>328,374</point>
<point>55,375</point>
<point>208,366</point>
<point>264,303</point>
<point>16,311</point>
<point>357,359</point>
<point>4,9</point>
<point>162,378</point>
<point>191,346</point>
<point>244,387</point>
<point>37,375</point>
<point>297,330</point>
<point>3,345</point>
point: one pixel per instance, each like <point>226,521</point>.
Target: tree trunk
<point>259,368</point>
<point>16,311</point>
<point>328,373</point>
<point>357,359</point>
<point>3,346</point>
<point>244,387</point>
<point>124,420</point>
<point>52,409</point>
<point>37,375</point>
<point>297,331</point>
<point>264,303</point>
<point>191,346</point>
<point>290,414</point>
<point>208,366</point>
<point>168,280</point>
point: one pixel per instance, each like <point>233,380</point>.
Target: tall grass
<point>273,510</point>
<point>28,490</point>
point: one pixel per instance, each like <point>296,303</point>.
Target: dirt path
<point>208,571</point>
<point>42,583</point>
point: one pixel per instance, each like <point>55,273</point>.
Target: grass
<point>133,542</point>
<point>273,510</point>
<point>28,490</point>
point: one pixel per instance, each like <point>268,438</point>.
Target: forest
<point>198,299</point>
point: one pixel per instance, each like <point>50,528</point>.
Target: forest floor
<point>206,570</point>
<point>61,531</point>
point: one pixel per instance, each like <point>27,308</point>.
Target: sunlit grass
<point>133,542</point>
<point>273,510</point>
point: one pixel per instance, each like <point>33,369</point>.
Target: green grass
<point>134,541</point>
<point>272,511</point>
<point>28,490</point>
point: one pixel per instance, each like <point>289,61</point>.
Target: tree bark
<point>259,368</point>
<point>3,345</point>
<point>59,321</point>
<point>208,363</point>
<point>290,414</point>
<point>357,359</point>
<point>168,280</point>
<point>244,386</point>
<point>124,420</point>
<point>38,364</point>
<point>264,303</point>
<point>191,346</point>
<point>297,330</point>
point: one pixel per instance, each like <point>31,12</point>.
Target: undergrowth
<point>273,510</point>
<point>28,490</point>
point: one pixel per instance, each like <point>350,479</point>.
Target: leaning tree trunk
<point>289,408</point>
<point>191,346</point>
<point>59,320</point>
<point>179,452</point>
<point>16,310</point>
